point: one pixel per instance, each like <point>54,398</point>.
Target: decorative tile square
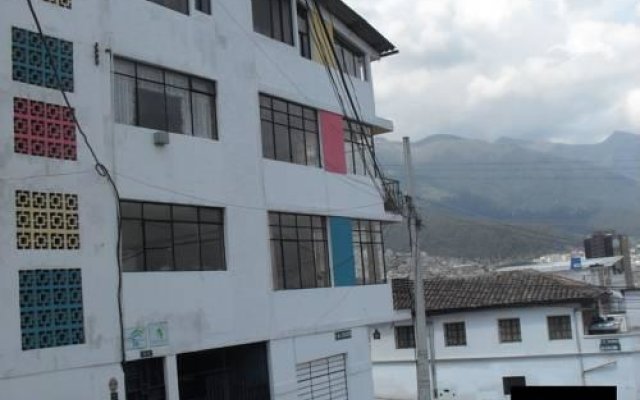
<point>44,130</point>
<point>51,312</point>
<point>30,62</point>
<point>47,221</point>
<point>61,3</point>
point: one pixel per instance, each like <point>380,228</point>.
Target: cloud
<point>633,108</point>
<point>556,69</point>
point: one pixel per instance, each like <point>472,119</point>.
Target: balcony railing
<point>393,197</point>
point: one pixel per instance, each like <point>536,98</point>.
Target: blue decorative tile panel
<point>31,64</point>
<point>51,308</point>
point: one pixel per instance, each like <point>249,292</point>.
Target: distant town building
<point>609,244</point>
<point>492,332</point>
<point>595,271</point>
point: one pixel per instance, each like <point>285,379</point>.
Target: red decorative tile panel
<point>44,130</point>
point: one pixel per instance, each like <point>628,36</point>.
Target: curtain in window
<point>203,115</point>
<point>125,99</point>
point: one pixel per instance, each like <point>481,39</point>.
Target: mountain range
<point>515,199</point>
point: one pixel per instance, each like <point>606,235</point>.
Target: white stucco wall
<point>202,309</point>
<point>632,298</point>
<point>286,353</point>
<point>475,371</point>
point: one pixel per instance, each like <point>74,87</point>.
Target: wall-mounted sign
<point>146,354</point>
<point>155,334</point>
<point>610,345</point>
<point>136,338</point>
<point>342,335</point>
<point>158,334</point>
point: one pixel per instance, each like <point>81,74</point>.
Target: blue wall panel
<point>342,251</point>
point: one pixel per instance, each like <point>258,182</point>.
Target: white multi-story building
<point>494,331</point>
<point>251,255</point>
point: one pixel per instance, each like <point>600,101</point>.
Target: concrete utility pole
<point>420,318</point>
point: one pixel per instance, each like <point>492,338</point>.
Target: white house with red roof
<point>494,331</point>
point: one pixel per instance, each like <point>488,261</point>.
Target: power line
<point>99,167</point>
<point>244,206</point>
<point>24,178</point>
<point>368,146</point>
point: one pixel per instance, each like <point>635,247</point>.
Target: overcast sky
<point>560,70</point>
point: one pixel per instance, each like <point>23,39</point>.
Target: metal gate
<point>323,379</point>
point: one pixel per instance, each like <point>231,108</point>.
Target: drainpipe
<point>576,313</point>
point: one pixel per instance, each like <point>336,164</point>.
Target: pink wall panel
<point>332,136</point>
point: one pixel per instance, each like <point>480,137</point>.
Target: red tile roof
<point>494,290</point>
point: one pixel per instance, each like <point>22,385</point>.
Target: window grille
<point>455,334</point>
<point>559,327</point>
<point>405,337</point>
<point>509,330</point>
<point>323,379</point>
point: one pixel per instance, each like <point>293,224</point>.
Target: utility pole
<point>420,317</point>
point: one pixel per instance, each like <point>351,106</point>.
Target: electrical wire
<point>352,102</point>
<point>99,167</point>
<point>208,201</point>
<point>24,178</point>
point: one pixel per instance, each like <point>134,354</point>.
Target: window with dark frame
<point>144,379</point>
<point>169,101</point>
<point>559,327</point>
<point>226,373</point>
<point>273,18</point>
<point>171,237</point>
<point>405,337</point>
<point>455,334</point>
<point>176,5</point>
<point>204,6</point>
<point>359,148</point>
<point>299,251</point>
<point>289,131</point>
<point>509,382</point>
<point>304,36</point>
<point>351,60</point>
<point>368,251</point>
<point>509,330</point>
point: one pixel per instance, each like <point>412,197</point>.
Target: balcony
<point>393,197</point>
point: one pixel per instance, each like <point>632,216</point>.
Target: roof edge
<point>360,26</point>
